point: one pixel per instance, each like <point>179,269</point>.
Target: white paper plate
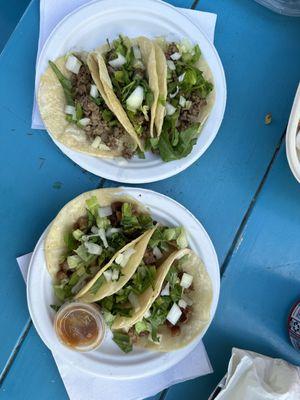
<point>108,360</point>
<point>89,26</point>
<point>293,155</point>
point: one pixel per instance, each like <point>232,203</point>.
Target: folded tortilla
<point>148,57</point>
<point>109,288</point>
<point>201,295</point>
<point>161,65</point>
<point>51,102</point>
<point>55,247</point>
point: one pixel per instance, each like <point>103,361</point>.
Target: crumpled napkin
<point>253,376</point>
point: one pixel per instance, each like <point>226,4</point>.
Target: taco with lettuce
<point>125,305</point>
<point>91,233</point>
<point>127,70</point>
<point>175,311</point>
<point>76,112</point>
<point>186,93</point>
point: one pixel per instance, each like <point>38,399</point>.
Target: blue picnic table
<point>241,190</point>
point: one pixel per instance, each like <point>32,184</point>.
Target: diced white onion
<point>73,64</point>
<point>96,142</point>
<point>103,237</point>
<point>104,211</point>
<point>94,91</point>
<point>123,258</point>
<point>170,109</point>
<point>108,275</point>
<point>117,62</point>
<point>171,65</point>
<point>172,95</point>
<point>182,101</point>
<point>93,248</point>
<point>95,230</point>
<point>181,77</point>
<point>115,275</point>
<point>147,314</point>
<point>174,314</point>
<point>134,301</point>
<point>186,280</point>
<point>70,110</point>
<point>111,231</point>
<point>135,100</point>
<point>103,147</point>
<point>136,52</point>
<point>182,303</point>
<point>298,141</point>
<point>157,253</point>
<point>175,56</point>
<point>188,104</point>
<point>166,290</point>
<point>188,301</point>
<point>84,121</point>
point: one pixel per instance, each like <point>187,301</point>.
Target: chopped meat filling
<point>110,133</point>
<point>190,116</point>
<point>82,223</point>
<point>171,49</point>
<point>149,257</point>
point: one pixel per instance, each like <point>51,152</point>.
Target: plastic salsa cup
<point>80,326</point>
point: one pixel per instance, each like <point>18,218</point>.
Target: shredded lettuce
<point>70,241</point>
<point>103,222</point>
<point>185,141</point>
<point>108,318</point>
<point>182,239</point>
<point>77,234</point>
<point>92,205</point>
<point>65,83</point>
<point>159,312</point>
<point>96,286</point>
<point>143,278</point>
<point>123,341</point>
<point>142,326</point>
<point>74,261</point>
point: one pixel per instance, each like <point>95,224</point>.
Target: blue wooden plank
<point>35,377</point>
<point>36,179</point>
<point>10,13</point>
<point>260,283</point>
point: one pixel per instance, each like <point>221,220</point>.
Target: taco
<point>88,233</point>
<point>186,89</point>
<point>128,74</point>
<point>76,112</point>
<point>177,310</point>
<point>127,305</point>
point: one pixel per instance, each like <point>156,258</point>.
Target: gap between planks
<point>15,351</point>
<point>238,236</point>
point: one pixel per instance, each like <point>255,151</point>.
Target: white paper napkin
<point>81,385</point>
<point>255,376</point>
<point>53,11</point>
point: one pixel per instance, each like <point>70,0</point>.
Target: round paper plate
<point>108,361</point>
<point>88,27</point>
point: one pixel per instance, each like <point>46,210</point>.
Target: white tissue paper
<point>252,376</point>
